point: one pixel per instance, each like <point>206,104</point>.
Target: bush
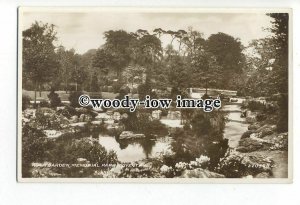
<point>90,149</point>
<point>110,89</point>
<point>116,86</point>
<point>25,102</point>
<point>134,91</point>
<point>44,103</point>
<point>104,88</point>
<point>54,99</point>
<point>34,148</point>
<point>256,106</point>
<point>73,98</point>
<point>122,93</point>
<point>261,117</point>
<point>283,121</point>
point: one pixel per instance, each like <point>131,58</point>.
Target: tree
<point>101,60</point>
<point>94,83</point>
<point>131,73</point>
<point>180,35</point>
<point>145,89</point>
<point>40,62</point>
<point>280,29</point>
<point>280,39</point>
<point>172,34</point>
<point>159,32</point>
<point>193,41</point>
<point>178,75</point>
<point>228,53</point>
<point>79,75</point>
<point>117,47</point>
<point>68,59</point>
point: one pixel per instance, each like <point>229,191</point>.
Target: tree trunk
<point>40,92</point>
<point>35,88</point>
<point>206,87</point>
<point>66,86</point>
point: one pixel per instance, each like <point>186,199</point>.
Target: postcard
<point>163,95</point>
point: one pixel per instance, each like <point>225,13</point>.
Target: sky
<point>84,30</point>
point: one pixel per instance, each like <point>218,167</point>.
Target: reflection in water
<point>134,150</point>
<point>129,151</point>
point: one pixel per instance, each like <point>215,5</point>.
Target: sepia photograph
<point>154,95</point>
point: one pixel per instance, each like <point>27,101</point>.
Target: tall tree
<point>228,53</point>
<point>117,46</point>
<point>280,30</point>
<point>67,60</point>
<point>40,62</point>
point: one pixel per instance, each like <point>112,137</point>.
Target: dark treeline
<point>189,60</point>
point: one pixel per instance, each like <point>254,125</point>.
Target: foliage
<point>202,135</point>
<point>94,83</point>
<point>227,50</point>
<point>144,89</point>
<point>44,103</point>
<point>66,151</point>
<point>256,106</point>
<point>34,148</point>
<point>282,124</point>
<point>141,122</point>
<point>25,102</point>
<point>73,98</point>
<point>40,62</point>
<point>54,99</point>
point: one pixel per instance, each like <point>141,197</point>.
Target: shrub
<point>104,88</point>
<point>134,91</point>
<point>110,89</point>
<point>54,99</point>
<point>256,106</point>
<point>44,103</point>
<point>122,93</point>
<point>87,148</point>
<point>282,124</point>
<point>73,98</point>
<point>25,102</point>
<point>116,86</point>
<point>261,117</point>
<point>34,148</point>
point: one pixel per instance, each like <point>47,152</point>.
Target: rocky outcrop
<point>52,133</point>
<point>254,126</point>
<point>249,145</point>
<point>200,173</point>
<point>239,164</point>
<point>130,135</point>
<point>47,118</point>
<point>257,141</point>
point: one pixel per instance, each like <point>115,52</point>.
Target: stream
<point>141,149</point>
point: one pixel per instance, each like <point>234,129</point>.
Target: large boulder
<point>254,126</point>
<point>266,130</point>
<point>53,133</point>
<point>130,135</point>
<point>277,141</point>
<point>74,119</point>
<point>249,145</point>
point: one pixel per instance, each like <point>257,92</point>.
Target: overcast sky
<point>84,31</point>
